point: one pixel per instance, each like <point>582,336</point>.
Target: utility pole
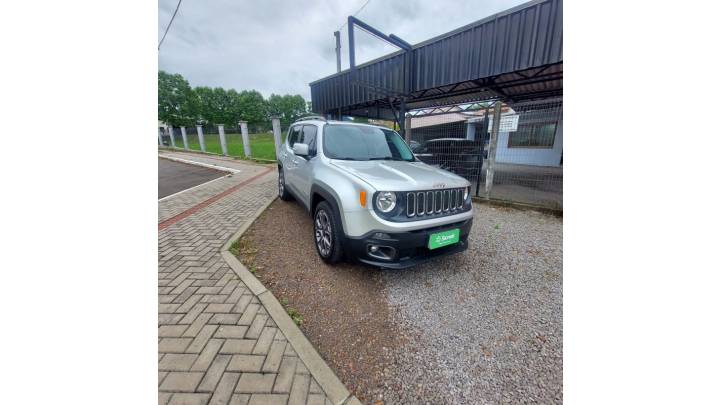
<point>337,49</point>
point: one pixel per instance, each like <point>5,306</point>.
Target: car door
<point>303,168</point>
<point>290,160</point>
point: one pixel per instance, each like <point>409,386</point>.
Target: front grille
<point>433,203</point>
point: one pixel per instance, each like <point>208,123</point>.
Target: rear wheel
<point>327,233</point>
<point>282,190</point>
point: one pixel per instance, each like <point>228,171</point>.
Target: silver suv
<point>370,198</point>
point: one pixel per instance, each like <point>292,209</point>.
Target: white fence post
<point>276,135</point>
<point>245,138</point>
<point>172,136</point>
<point>201,137</point>
<point>160,137</point>
<point>223,143</point>
<point>184,136</point>
<point>492,148</point>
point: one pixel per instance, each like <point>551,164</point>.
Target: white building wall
<point>530,156</point>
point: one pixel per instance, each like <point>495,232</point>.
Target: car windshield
<point>356,142</point>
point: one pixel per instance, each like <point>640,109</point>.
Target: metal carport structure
<point>513,56</point>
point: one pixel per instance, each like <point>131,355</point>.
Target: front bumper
<point>360,223</point>
<point>409,248</point>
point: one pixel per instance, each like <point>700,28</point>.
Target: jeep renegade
<point>371,200</point>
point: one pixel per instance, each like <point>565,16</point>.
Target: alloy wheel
<point>323,233</point>
<point>281,183</point>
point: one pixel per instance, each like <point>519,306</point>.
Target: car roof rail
<point>311,117</point>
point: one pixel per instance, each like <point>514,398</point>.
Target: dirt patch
<point>343,308</point>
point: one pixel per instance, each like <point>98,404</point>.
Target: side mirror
<point>300,149</point>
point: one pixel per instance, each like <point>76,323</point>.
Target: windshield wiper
<point>344,158</point>
<point>386,158</point>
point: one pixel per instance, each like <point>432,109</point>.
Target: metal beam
<point>391,39</point>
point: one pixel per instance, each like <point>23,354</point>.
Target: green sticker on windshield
<point>445,238</point>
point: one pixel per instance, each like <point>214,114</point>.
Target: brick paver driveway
<point>217,343</point>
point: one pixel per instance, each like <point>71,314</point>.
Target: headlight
<point>466,193</point>
<point>385,201</point>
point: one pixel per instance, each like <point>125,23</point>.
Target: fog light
<point>381,252</point>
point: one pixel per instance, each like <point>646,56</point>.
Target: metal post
<point>172,136</point>
<point>408,128</point>
<point>223,144</point>
<point>160,137</point>
<point>402,112</point>
<point>337,49</point>
<point>492,148</point>
<point>201,137</point>
<point>351,41</point>
<point>245,138</point>
<point>184,136</point>
<point>276,135</point>
<point>483,133</point>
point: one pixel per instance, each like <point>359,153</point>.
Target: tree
<point>252,107</point>
<point>222,103</point>
<point>204,97</point>
<point>181,105</point>
<point>218,106</point>
<point>175,99</point>
<point>287,107</point>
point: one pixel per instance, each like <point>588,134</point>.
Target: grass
<point>262,146</point>
<point>235,247</point>
<point>294,314</point>
<point>242,249</point>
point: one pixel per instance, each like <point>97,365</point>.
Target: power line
<point>354,14</point>
<point>171,21</point>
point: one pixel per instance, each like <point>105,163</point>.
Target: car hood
<point>400,176</point>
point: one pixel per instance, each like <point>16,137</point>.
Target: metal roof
<point>513,55</point>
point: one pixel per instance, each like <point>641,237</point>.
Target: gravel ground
<point>483,326</point>
<point>488,323</point>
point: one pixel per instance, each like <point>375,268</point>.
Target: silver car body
<point>346,179</point>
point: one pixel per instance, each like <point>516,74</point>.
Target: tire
<point>326,233</point>
<point>283,193</point>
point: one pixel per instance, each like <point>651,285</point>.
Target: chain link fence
<point>526,154</point>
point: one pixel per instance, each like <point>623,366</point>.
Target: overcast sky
<point>279,46</point>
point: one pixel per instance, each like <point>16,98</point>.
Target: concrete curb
<point>558,212</point>
<point>323,374</point>
<point>201,164</point>
<point>235,158</point>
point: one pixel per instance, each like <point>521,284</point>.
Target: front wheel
<point>282,190</point>
<point>327,233</point>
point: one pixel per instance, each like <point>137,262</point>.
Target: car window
<point>355,142</point>
<point>295,136</point>
<point>309,134</point>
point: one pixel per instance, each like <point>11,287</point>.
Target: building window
<point>533,135</point>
